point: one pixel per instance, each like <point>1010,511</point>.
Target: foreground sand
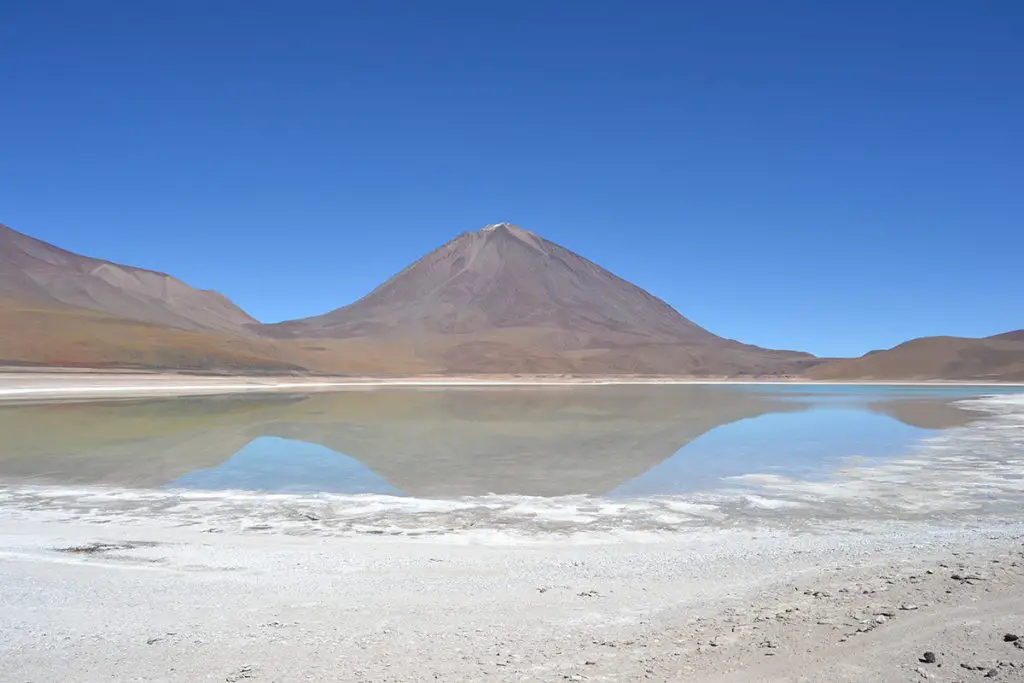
<point>828,603</point>
<point>68,384</point>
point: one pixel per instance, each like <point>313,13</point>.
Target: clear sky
<point>828,176</point>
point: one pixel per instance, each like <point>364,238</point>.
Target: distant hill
<point>503,299</point>
<point>34,272</point>
<point>996,358</point>
<point>1016,335</point>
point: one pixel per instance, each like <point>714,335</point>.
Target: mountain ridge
<point>32,270</point>
<point>999,357</point>
<point>500,300</point>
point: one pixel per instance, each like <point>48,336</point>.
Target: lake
<point>409,461</point>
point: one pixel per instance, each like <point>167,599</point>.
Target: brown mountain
<point>32,271</point>
<point>501,277</point>
<point>60,308</point>
<point>501,300</point>
<point>996,358</point>
<point>506,300</point>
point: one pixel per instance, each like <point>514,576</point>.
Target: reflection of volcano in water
<point>282,465</point>
<point>426,443</point>
<point>547,443</point>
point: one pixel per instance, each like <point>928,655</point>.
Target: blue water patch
<point>860,393</point>
<point>280,465</point>
<point>806,444</point>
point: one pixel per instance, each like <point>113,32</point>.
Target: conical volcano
<point>504,299</point>
<point>502,277</point>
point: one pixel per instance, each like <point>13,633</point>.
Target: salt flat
<point>93,603</point>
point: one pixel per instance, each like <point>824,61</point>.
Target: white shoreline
<point>57,385</point>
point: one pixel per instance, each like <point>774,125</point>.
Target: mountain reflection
<point>426,443</point>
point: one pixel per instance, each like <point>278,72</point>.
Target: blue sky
<point>828,176</point>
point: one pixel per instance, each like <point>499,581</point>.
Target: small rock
<point>881,619</point>
<point>908,608</point>
<point>991,673</point>
<point>1011,638</point>
<point>929,657</point>
<point>153,641</point>
<point>246,672</point>
<point>590,662</point>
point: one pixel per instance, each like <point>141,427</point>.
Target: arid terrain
<point>1000,357</point>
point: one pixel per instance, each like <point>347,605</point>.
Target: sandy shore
<point>46,385</point>
<point>90,602</point>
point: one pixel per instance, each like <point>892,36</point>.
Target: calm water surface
<point>703,447</point>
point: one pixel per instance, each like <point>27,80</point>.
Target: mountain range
<point>501,300</point>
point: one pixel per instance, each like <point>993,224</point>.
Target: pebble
<point>929,657</point>
<point>1011,638</point>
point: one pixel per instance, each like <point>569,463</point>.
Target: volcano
<point>504,299</point>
